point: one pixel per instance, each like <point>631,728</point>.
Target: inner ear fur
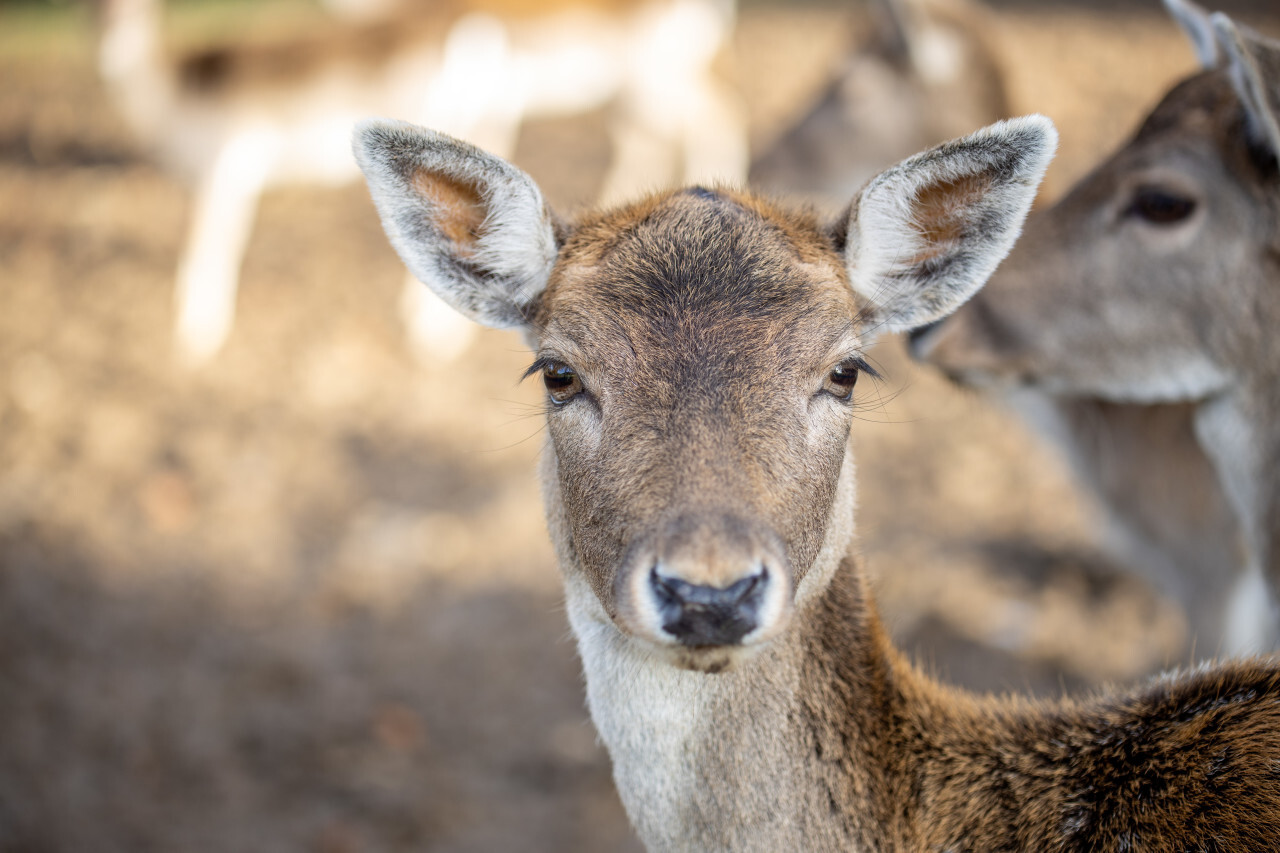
<point>942,215</point>
<point>457,209</point>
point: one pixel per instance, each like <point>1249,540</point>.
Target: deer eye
<point>561,381</point>
<point>1161,207</point>
<point>840,381</point>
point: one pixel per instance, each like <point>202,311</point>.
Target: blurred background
<point>295,593</point>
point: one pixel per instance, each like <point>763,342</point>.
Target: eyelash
<point>562,382</point>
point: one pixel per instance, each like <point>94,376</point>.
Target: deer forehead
<point>696,284</point>
<point>1203,107</point>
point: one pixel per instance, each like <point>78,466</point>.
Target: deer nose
<point>699,615</point>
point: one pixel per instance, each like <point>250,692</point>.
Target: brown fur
<point>457,207</point>
<point>1186,763</point>
<point>686,310</point>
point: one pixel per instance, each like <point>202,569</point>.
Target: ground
<point>302,598</point>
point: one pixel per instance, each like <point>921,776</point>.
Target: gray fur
<point>1199,28</point>
<point>1251,68</point>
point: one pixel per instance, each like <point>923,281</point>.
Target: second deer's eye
<point>561,381</point>
<point>1161,207</point>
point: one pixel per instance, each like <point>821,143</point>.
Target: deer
<point>927,72</point>
<point>700,349</point>
<point>235,121</point>
<point>1149,283</point>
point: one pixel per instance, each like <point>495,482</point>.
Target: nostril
<point>699,615</point>
<point>738,592</point>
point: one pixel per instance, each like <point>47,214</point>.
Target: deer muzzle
<point>706,584</point>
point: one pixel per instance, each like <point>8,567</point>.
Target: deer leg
<point>714,134</point>
<point>208,275</point>
<point>641,159</point>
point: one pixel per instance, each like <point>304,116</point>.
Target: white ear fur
<point>469,225</point>
<point>925,235</point>
<point>1198,27</point>
<point>1254,62</point>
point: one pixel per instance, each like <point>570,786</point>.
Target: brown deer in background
<point>236,121</point>
<point>700,350</point>
<point>928,72</point>
<point>1153,281</point>
<point>932,69</point>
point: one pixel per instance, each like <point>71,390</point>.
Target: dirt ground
<point>302,599</point>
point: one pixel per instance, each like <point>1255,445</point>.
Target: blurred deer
<point>928,72</point>
<point>237,121</point>
<point>700,351</point>
<point>1155,281</point>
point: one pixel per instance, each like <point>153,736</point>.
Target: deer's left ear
<point>1254,62</point>
<point>925,235</point>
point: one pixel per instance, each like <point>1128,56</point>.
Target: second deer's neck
<point>784,751</point>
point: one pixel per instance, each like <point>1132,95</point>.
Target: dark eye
<point>1161,207</point>
<point>842,378</point>
<point>561,381</point>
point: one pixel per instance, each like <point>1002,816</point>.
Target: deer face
<point>1150,281</point>
<point>699,351</point>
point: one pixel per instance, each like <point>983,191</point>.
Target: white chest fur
<point>702,762</point>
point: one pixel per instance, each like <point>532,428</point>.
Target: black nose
<point>709,615</point>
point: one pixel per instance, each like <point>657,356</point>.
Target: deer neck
<point>784,751</point>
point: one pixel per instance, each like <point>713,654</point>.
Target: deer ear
<point>1197,24</point>
<point>1254,62</point>
<point>924,236</point>
<point>469,225</point>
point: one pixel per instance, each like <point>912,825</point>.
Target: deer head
<point>700,350</point>
<point>1153,279</point>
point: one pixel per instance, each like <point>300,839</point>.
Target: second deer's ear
<point>1254,63</point>
<point>469,225</point>
<point>925,235</point>
<point>1197,24</point>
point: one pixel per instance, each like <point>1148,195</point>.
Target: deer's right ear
<point>469,225</point>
